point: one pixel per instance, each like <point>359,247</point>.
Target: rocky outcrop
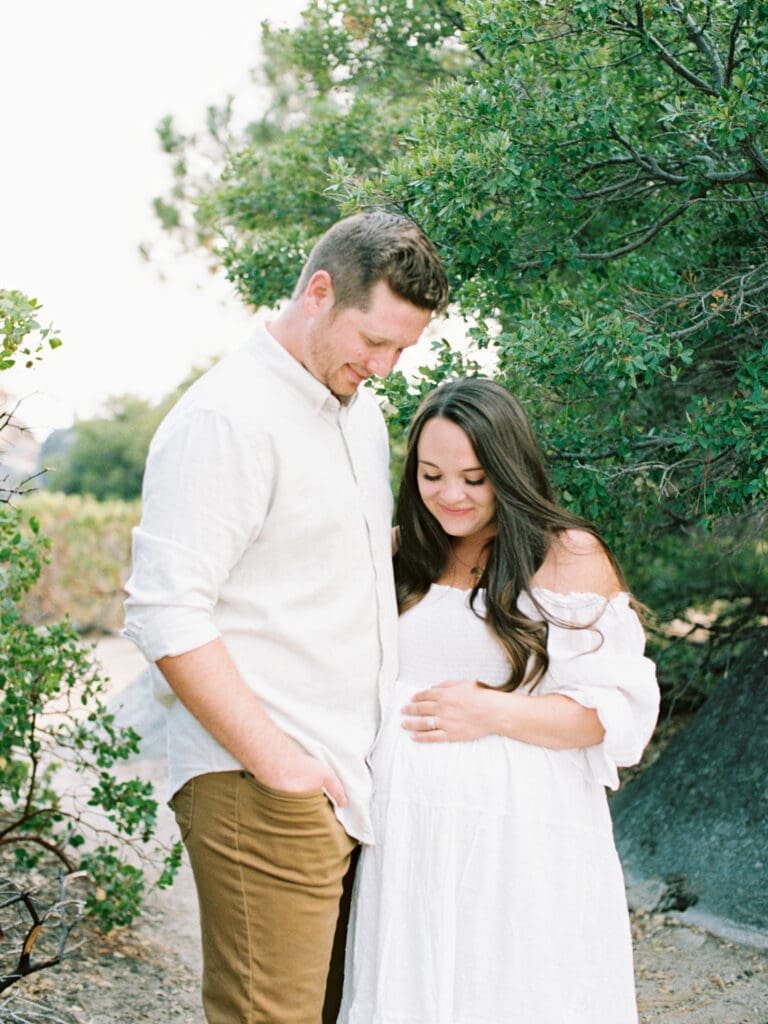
<point>693,827</point>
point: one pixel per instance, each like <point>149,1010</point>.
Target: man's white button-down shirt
<point>266,521</point>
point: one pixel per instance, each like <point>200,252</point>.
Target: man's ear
<point>318,295</point>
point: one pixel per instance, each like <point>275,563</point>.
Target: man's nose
<point>382,363</point>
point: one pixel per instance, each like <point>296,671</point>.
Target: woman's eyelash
<point>469,483</point>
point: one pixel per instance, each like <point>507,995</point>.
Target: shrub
<point>59,747</point>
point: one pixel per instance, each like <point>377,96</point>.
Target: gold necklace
<point>475,571</point>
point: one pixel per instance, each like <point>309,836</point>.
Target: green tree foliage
<point>346,86</point>
<point>104,457</point>
<point>599,186</point>
<point>596,178</point>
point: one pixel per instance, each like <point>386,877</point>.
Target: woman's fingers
<point>434,692</point>
<point>419,720</point>
<point>451,711</point>
<point>420,708</point>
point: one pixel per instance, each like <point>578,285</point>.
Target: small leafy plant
<point>21,334</point>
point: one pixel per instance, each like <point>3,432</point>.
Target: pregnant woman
<point>494,892</point>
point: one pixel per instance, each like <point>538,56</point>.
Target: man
<point>262,590</point>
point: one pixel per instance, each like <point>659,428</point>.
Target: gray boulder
<point>692,829</point>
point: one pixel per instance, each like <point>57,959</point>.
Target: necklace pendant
<point>476,572</point>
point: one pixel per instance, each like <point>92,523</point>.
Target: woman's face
<point>452,483</point>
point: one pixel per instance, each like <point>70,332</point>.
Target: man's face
<point>347,346</point>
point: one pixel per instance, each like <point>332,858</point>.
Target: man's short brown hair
<point>374,246</point>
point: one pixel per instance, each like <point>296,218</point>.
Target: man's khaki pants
<point>269,869</point>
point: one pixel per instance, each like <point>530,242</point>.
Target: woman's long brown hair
<point>527,518</point>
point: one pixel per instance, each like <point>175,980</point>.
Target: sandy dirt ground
<point>149,973</point>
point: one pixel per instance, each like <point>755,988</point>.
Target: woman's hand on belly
<point>459,709</point>
<point>456,710</point>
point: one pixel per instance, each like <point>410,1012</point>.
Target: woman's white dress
<point>494,892</point>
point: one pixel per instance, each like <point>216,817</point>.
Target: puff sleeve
<point>601,664</point>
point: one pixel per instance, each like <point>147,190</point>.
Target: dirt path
<point>685,975</point>
<point>149,974</point>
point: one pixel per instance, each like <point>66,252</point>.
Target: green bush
<point>60,796</point>
<point>59,747</point>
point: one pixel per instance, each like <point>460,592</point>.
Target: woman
<point>494,892</point>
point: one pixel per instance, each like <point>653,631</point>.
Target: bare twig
<point>737,294</point>
<point>15,1010</point>
<point>60,917</point>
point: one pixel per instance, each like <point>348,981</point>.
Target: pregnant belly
<point>496,774</point>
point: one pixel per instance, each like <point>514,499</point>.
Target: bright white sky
<point>82,86</point>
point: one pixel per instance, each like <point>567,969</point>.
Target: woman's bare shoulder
<point>577,562</point>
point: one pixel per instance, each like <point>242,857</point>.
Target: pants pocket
<point>308,796</point>
<point>182,804</point>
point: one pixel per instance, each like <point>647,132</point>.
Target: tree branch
<point>616,161</point>
<point>727,177</point>
<point>759,157</point>
<point>704,45</point>
<point>650,441</point>
<point>738,21</point>
<point>679,68</point>
<point>646,163</point>
<point>739,289</point>
<point>608,190</point>
<point>646,237</point>
<point>45,843</point>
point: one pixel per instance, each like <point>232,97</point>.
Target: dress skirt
<point>493,892</point>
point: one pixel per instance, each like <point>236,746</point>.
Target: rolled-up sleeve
<point>205,494</point>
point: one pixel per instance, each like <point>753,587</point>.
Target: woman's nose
<point>453,491</point>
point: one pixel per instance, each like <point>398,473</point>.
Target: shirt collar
<point>268,350</point>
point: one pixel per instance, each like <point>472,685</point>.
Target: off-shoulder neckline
<point>565,594</point>
<point>558,595</point>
